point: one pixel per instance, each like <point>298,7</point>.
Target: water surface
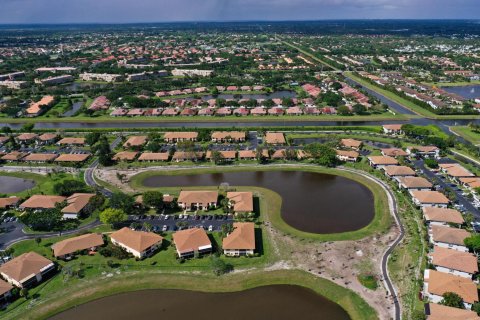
<point>13,184</point>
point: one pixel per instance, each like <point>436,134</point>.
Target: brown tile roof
<point>40,157</point>
<point>72,157</point>
<point>443,215</point>
<point>14,156</point>
<point>42,201</point>
<point>76,202</point>
<point>243,201</point>
<point>383,160</point>
<point>10,201</point>
<point>247,154</point>
<point>225,154</point>
<point>191,240</point>
<point>136,240</point>
<point>455,170</point>
<point>347,153</point>
<point>473,182</point>
<point>204,197</point>
<point>48,136</point>
<point>125,155</point>
<point>454,259</point>
<point>399,171</point>
<point>439,283</point>
<point>72,140</point>
<point>24,266</point>
<point>135,141</point>
<point>5,287</point>
<point>180,135</point>
<point>449,235</point>
<point>350,143</point>
<point>428,196</point>
<point>440,312</point>
<point>394,127</point>
<point>72,245</point>
<point>27,136</point>
<point>424,149</point>
<point>242,237</point>
<point>394,152</point>
<point>35,107</point>
<point>275,138</point>
<point>415,182</point>
<point>235,135</point>
<point>181,155</point>
<point>154,156</point>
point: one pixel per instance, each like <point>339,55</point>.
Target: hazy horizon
<point>162,11</point>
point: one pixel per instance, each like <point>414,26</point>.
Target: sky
<point>124,11</point>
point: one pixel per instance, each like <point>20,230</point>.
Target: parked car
<point>165,227</point>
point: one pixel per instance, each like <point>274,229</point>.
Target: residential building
<point>5,291</point>
<point>191,72</point>
<point>100,77</point>
<point>67,248</point>
<point>398,171</point>
<point>154,156</point>
<point>125,156</point>
<point>228,136</point>
<point>26,270</point>
<point>437,283</point>
<point>135,142</point>
<point>450,238</point>
<point>275,138</point>
<point>414,183</point>
<point>458,263</point>
<point>41,202</point>
<point>191,242</point>
<point>139,243</point>
<point>347,155</point>
<point>424,151</point>
<point>9,202</point>
<point>37,108</point>
<point>442,216</point>
<point>176,136</point>
<point>351,143</point>
<point>72,141</point>
<point>435,311</point>
<point>394,129</point>
<point>394,152</point>
<point>242,202</point>
<point>73,158</point>
<point>77,204</point>
<point>429,199</point>
<point>379,162</point>
<point>197,200</point>
<point>241,241</point>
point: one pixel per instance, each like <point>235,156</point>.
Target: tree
<point>113,216</point>
<point>322,154</point>
<point>43,220</point>
<point>24,293</point>
<point>92,138</point>
<point>451,299</point>
<point>344,111</point>
<point>27,127</point>
<point>359,108</point>
<point>69,186</point>
<point>123,202</point>
<point>473,242</point>
<point>476,307</point>
<point>431,163</point>
<point>336,86</point>
<point>153,199</point>
<point>38,240</point>
<point>104,152</point>
<point>226,229</point>
<point>217,157</point>
<point>219,266</point>
<point>418,315</point>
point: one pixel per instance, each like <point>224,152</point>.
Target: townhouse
<point>140,244</point>
<point>191,242</point>
<point>68,248</point>
<point>176,136</point>
<point>26,270</point>
<point>241,241</point>
<point>228,136</point>
<point>446,237</point>
<point>458,263</point>
<point>429,199</point>
<point>197,200</point>
<point>240,202</point>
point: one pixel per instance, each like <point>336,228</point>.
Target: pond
<point>75,107</point>
<point>311,202</point>
<point>270,302</point>
<point>13,184</point>
<point>468,92</point>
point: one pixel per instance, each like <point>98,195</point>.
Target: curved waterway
<point>311,202</point>
<point>279,302</point>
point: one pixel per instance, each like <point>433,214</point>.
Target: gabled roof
<point>383,160</point>
<point>428,196</point>
<point>180,135</point>
<point>454,259</point>
<point>42,201</point>
<point>243,201</point>
<point>415,182</point>
<point>76,202</point>
<point>242,237</point>
<point>439,312</point>
<point>191,240</point>
<point>455,170</point>
<point>75,244</point>
<point>204,197</point>
<point>136,240</point>
<point>236,135</point>
<point>394,152</point>
<point>40,157</point>
<point>10,201</point>
<point>443,215</point>
<point>440,283</point>
<point>449,235</point>
<point>24,266</point>
<point>399,171</point>
<point>154,156</point>
<point>135,141</point>
<point>72,157</point>
<point>72,140</point>
<point>125,155</point>
<point>351,143</point>
<point>275,138</point>
<point>5,287</point>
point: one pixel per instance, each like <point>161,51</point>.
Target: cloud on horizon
<point>64,11</point>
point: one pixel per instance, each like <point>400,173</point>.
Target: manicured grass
<point>380,223</point>
<point>58,296</point>
<point>368,281</point>
<point>406,103</point>
<point>454,84</point>
<point>467,133</point>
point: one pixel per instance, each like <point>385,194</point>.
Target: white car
<point>210,228</point>
<point>165,228</point>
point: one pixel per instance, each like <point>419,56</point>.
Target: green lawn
<point>380,223</point>
<point>454,84</point>
<point>368,281</point>
<point>467,133</point>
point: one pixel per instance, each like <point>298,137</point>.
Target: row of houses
<point>45,139</point>
<point>43,158</point>
<point>453,267</point>
<point>179,92</point>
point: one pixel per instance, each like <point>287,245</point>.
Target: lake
<point>277,302</point>
<point>311,202</point>
<point>13,184</point>
<point>468,92</point>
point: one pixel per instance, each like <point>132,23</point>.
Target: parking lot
<point>174,222</point>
